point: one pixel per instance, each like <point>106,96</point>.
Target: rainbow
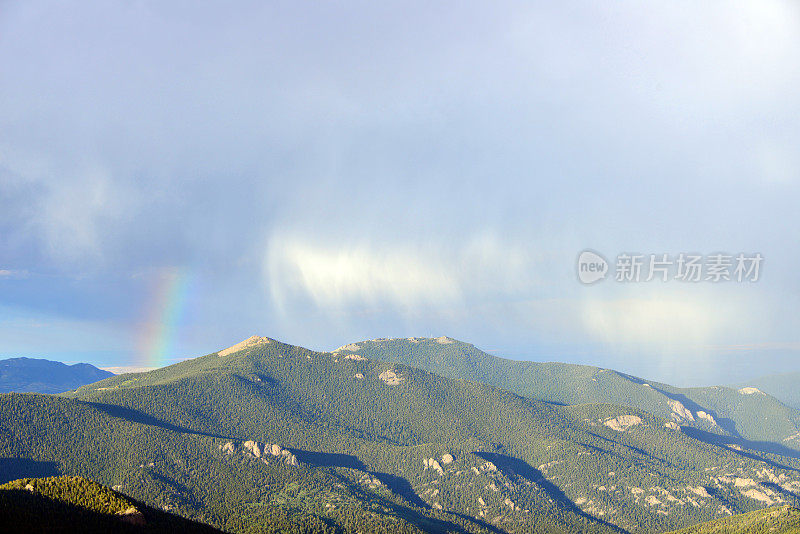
<point>166,305</point>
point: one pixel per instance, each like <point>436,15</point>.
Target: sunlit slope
<point>209,414</point>
<point>76,504</point>
<point>719,410</point>
<point>635,472</point>
<point>188,473</point>
<point>779,520</point>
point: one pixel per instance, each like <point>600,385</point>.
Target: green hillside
<point>76,504</point>
<point>270,437</point>
<point>748,419</point>
<point>779,520</point>
<point>784,387</point>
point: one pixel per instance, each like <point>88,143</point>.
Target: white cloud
<point>13,273</point>
<point>403,275</point>
<point>659,323</point>
<point>665,335</point>
<point>76,204</point>
<point>777,163</point>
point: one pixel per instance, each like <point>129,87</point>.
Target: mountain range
<point>46,376</point>
<point>744,415</point>
<point>410,435</point>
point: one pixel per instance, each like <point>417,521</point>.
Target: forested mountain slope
<point>778,520</point>
<point>266,436</point>
<point>745,415</point>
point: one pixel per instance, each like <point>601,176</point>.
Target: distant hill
<point>778,520</point>
<point>741,417</point>
<point>784,387</point>
<point>75,504</point>
<point>44,376</point>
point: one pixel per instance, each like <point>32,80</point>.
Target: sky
<point>178,176</point>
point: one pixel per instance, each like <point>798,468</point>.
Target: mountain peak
<point>246,344</point>
<point>442,340</point>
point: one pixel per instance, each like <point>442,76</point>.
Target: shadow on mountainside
<point>401,487</point>
<point>135,416</point>
<point>766,447</point>
<point>396,484</point>
<point>25,511</point>
<point>615,443</point>
<point>514,467</point>
<point>425,523</point>
<point>16,468</point>
<point>480,522</point>
<point>328,459</point>
<point>788,495</point>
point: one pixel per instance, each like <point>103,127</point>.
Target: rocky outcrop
<point>246,344</point>
<point>751,391</point>
<point>679,411</point>
<point>622,422</point>
<point>390,377</point>
<point>766,496</point>
<point>255,449</point>
<point>431,463</point>
<point>700,491</point>
<point>706,417</point>
<point>652,500</point>
<point>291,459</point>
<point>370,481</point>
<point>352,347</point>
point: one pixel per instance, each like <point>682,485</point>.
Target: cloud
<point>73,208</point>
<point>661,321</point>
<point>382,163</point>
<point>395,275</point>
<point>665,335</point>
<point>776,163</point>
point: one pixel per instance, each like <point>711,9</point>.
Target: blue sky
<point>322,173</point>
